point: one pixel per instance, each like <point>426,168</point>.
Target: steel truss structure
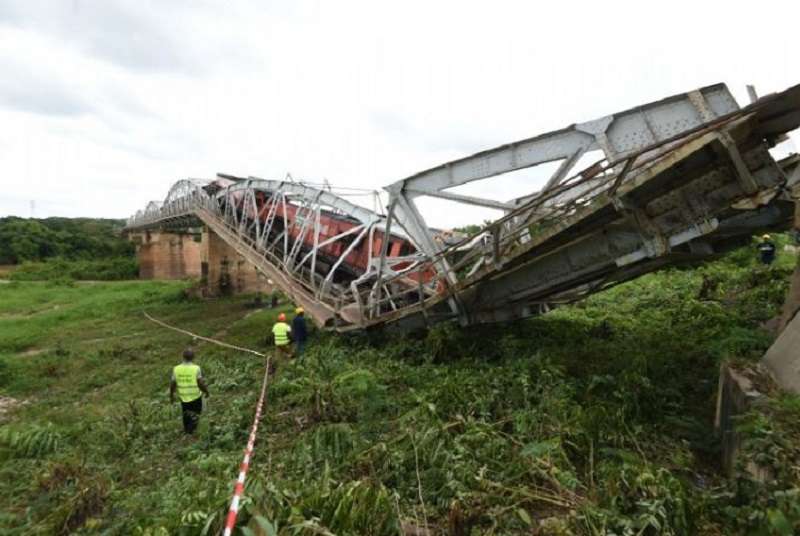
<point>679,180</point>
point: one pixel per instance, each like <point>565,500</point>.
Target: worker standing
<point>766,249</point>
<point>187,380</point>
<point>281,331</point>
<point>299,331</point>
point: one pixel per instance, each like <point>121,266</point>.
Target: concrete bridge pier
<point>167,255</point>
<point>196,253</point>
<point>783,357</point>
<point>792,304</point>
<point>224,271</point>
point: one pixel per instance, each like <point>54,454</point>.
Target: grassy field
<point>594,419</point>
<point>95,372</point>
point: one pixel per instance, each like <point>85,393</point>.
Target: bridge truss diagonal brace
<point>469,200</point>
<point>748,183</point>
<point>409,217</point>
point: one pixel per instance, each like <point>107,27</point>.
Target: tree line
<point>31,240</point>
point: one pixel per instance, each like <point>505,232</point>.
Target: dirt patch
<point>32,352</point>
<point>8,404</point>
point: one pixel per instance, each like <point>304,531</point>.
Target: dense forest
<point>66,248</point>
<point>24,239</point>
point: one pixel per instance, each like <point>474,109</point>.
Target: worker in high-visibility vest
<point>187,381</point>
<point>282,333</point>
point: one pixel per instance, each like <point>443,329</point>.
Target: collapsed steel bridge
<point>679,180</point>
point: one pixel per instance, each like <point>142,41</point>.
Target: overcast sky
<point>105,103</point>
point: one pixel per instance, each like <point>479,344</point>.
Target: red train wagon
<point>330,225</point>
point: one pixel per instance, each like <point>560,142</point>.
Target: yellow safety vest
<point>186,378</point>
<point>281,331</point>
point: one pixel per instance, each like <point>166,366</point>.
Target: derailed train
<point>289,217</point>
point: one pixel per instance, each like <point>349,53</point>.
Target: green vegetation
<point>594,419</point>
<point>65,249</point>
<point>80,238</point>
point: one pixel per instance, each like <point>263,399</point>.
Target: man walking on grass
<point>187,380</point>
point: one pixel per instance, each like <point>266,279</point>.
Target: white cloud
<point>105,104</point>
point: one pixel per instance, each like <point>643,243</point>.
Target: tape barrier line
<point>238,489</point>
<point>196,336</point>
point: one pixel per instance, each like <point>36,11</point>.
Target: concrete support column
<point>783,357</point>
<point>196,255</point>
<point>224,271</point>
<point>792,304</point>
<point>164,255</point>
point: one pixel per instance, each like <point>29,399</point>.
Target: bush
<point>638,500</point>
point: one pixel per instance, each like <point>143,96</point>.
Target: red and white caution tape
<point>238,489</point>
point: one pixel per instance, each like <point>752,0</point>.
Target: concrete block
<point>740,390</point>
<point>792,304</point>
<point>783,357</point>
